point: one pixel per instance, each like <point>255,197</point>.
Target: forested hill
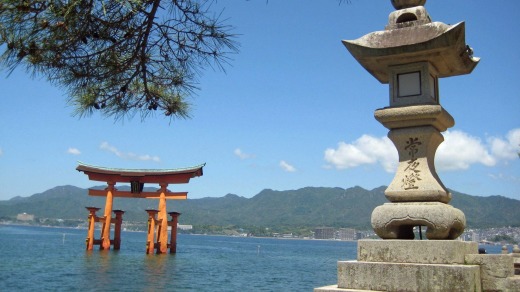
<point>306,207</point>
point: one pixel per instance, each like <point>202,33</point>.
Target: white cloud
<point>365,150</point>
<point>508,148</point>
<point>110,148</point>
<point>504,177</point>
<point>287,167</point>
<point>238,152</point>
<point>458,151</point>
<point>129,156</point>
<point>73,151</point>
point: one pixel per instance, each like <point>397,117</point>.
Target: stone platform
<point>424,265</point>
<point>415,251</point>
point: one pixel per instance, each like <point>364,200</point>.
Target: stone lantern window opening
<point>413,84</point>
<point>409,84</point>
<point>406,17</point>
<point>434,89</point>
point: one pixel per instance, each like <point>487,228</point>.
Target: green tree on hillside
<point>504,238</point>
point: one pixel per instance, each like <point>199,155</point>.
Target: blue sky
<point>294,109</point>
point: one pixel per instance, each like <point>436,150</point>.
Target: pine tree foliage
<point>118,57</point>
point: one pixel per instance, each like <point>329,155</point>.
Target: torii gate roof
<point>114,175</point>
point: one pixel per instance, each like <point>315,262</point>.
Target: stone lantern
<point>411,54</point>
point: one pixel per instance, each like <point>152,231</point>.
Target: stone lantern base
<point>397,220</point>
<point>426,265</point>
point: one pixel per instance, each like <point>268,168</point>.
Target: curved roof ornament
<point>177,175</point>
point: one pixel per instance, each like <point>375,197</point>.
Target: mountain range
<point>305,207</point>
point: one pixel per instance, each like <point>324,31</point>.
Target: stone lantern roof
<point>410,36</point>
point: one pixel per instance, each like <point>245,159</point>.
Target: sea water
<point>55,259</point>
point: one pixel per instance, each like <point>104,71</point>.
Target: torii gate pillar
<point>173,236</point>
<point>162,232</point>
<point>105,235</point>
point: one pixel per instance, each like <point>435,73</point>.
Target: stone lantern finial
<point>402,4</point>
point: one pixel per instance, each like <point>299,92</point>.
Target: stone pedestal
<point>427,265</point>
<point>415,132</point>
<point>417,195</point>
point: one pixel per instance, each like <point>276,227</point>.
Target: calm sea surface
<point>54,259</point>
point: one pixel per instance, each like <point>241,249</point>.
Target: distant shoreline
<point>194,234</point>
<point>482,243</point>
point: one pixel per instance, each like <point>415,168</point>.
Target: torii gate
<point>137,178</point>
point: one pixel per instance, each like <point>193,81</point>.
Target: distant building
<point>284,235</point>
<point>475,237</point>
<point>184,227</point>
<point>324,233</point>
<point>470,235</point>
<point>25,217</point>
<point>347,234</point>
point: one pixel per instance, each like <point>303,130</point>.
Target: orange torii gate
<point>157,226</point>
